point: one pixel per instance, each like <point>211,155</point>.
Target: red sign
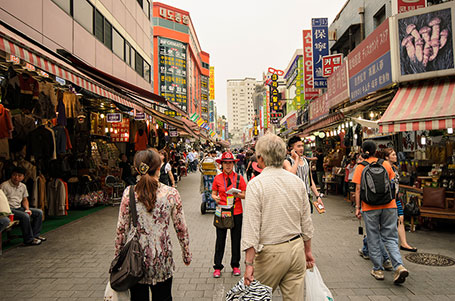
<point>330,63</point>
<point>120,131</point>
<point>337,86</point>
<point>319,107</point>
<point>310,92</point>
<point>373,47</point>
<point>408,5</point>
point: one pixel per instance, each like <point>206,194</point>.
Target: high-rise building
<point>240,107</point>
<point>181,68</point>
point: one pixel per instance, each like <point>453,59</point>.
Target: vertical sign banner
<point>330,63</point>
<point>402,6</point>
<point>369,64</point>
<point>172,72</point>
<point>320,39</point>
<point>267,105</point>
<point>205,98</point>
<point>212,83</point>
<point>337,86</point>
<point>310,92</point>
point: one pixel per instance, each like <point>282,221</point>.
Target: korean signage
<point>275,97</point>
<point>139,116</point>
<point>120,131</point>
<point>330,63</point>
<point>212,83</point>
<point>310,92</point>
<point>337,86</point>
<point>174,16</point>
<point>205,97</point>
<point>369,65</point>
<point>320,40</point>
<point>425,39</point>
<point>267,110</point>
<point>402,6</point>
<point>114,117</point>
<point>173,132</point>
<point>172,72</point>
<point>319,108</point>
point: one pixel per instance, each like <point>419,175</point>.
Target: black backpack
<point>375,187</point>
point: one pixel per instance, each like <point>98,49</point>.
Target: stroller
<point>208,173</point>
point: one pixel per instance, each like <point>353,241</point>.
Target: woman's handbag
<point>128,266</point>
<point>224,217</point>
<point>412,208</point>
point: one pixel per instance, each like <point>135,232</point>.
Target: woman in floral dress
<point>156,205</point>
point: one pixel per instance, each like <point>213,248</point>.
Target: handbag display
<point>224,216</point>
<point>128,266</point>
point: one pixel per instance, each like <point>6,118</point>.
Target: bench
<point>436,204</point>
<point>9,237</point>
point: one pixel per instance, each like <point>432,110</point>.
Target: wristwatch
<point>249,263</point>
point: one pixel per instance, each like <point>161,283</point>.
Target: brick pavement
<point>73,263</point>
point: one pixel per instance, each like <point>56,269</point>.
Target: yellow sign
<point>212,83</point>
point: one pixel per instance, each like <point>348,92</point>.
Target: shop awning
<point>367,123</point>
<point>333,118</point>
<point>12,43</point>
<point>178,124</point>
<point>425,106</point>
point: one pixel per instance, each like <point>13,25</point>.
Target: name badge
<point>230,200</point>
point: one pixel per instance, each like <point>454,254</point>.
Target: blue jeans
<point>4,222</point>
<point>380,225</point>
<point>385,255</point>
<point>30,225</point>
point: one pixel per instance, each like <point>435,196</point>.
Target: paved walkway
<point>73,263</point>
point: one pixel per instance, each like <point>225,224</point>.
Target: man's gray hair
<point>272,149</point>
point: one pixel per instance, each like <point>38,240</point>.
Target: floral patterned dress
<point>153,232</point>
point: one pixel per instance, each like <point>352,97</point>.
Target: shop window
<point>99,26</point>
<point>139,64</point>
<point>140,2</point>
<point>107,34</point>
<point>64,4</point>
<point>118,44</point>
<point>379,17</point>
<point>146,8</point>
<point>127,53</point>
<point>83,14</point>
<point>132,58</point>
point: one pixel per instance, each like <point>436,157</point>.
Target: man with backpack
<point>373,195</point>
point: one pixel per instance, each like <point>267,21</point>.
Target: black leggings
<point>162,291</point>
<point>236,236</point>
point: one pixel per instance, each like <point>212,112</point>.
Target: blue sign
<point>373,77</point>
<point>114,117</point>
<point>320,36</point>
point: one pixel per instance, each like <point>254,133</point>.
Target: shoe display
<point>217,274</point>
<point>400,275</point>
<point>387,265</point>
<point>366,257</point>
<point>378,275</point>
<point>236,271</point>
<point>408,249</point>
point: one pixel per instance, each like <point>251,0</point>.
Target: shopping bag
<point>111,295</point>
<point>254,292</point>
<point>315,288</point>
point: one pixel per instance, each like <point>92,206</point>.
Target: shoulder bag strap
<point>133,211</point>
<point>238,182</point>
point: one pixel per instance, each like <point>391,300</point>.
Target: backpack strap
<point>132,206</point>
<point>365,163</point>
<point>380,161</point>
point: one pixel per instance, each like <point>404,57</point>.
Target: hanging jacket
<point>56,198</point>
<point>29,89</point>
<point>40,143</point>
<point>6,125</point>
<point>61,113</point>
<point>60,139</point>
<point>23,125</point>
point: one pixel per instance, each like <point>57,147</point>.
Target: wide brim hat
<point>256,167</point>
<point>227,157</point>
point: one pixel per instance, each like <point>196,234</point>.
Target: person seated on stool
<point>30,219</point>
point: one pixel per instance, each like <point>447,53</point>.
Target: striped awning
<point>424,106</point>
<point>15,45</point>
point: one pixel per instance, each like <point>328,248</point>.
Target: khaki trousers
<point>283,265</point>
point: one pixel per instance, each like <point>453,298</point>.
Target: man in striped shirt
<point>277,226</point>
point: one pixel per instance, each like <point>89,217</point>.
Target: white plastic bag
<point>111,295</point>
<point>315,288</point>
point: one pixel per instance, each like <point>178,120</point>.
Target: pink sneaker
<point>217,274</point>
<point>236,271</point>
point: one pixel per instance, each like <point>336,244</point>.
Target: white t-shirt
<point>168,167</point>
<point>15,194</point>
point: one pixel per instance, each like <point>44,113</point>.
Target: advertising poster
<point>172,72</point>
<point>402,6</point>
<point>425,40</point>
<point>369,64</point>
<point>330,63</point>
<point>310,92</point>
<point>320,40</point>
<point>319,108</point>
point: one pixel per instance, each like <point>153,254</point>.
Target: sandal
<point>34,242</point>
<point>41,238</point>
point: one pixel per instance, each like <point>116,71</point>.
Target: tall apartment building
<point>113,37</point>
<point>181,67</point>
<point>240,107</point>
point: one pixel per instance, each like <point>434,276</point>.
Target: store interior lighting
<point>450,131</point>
<point>351,124</point>
<point>371,114</point>
<point>355,136</point>
<point>423,140</point>
<point>101,116</point>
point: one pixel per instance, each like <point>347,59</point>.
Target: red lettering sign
<point>330,63</point>
<point>408,5</point>
<point>337,86</point>
<point>310,92</point>
<point>319,107</point>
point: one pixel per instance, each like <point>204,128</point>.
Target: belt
<point>294,238</point>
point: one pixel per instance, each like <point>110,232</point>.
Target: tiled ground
<point>73,263</point>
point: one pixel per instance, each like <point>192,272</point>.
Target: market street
<point>73,263</point>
